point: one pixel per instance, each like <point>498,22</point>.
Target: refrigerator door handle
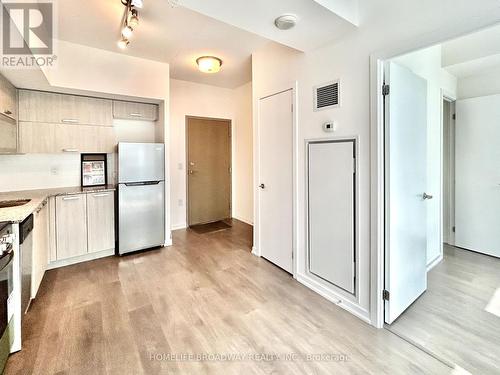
<point>142,183</point>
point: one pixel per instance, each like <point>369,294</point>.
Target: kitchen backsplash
<point>44,171</point>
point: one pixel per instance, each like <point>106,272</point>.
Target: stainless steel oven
<point>6,287</point>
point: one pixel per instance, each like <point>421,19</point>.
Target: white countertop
<point>19,213</point>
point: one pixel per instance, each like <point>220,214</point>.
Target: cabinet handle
<point>101,195</point>
<point>69,121</point>
<point>136,114</point>
<point>70,150</point>
<point>7,112</point>
<point>70,198</point>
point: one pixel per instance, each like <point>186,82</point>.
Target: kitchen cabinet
<point>40,247</point>
<point>8,135</point>
<point>71,225</point>
<point>8,116</point>
<point>47,107</point>
<point>8,99</point>
<point>100,221</point>
<point>37,137</point>
<point>135,111</point>
<point>40,137</point>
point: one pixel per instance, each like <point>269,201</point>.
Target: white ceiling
<point>320,21</point>
<point>472,54</point>
<point>169,34</point>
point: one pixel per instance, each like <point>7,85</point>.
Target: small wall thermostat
<point>329,127</point>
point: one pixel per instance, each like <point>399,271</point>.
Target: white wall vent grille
<point>327,96</point>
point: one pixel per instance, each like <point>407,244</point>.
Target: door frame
<point>230,122</point>
<point>293,87</point>
<point>451,99</point>
<point>377,158</point>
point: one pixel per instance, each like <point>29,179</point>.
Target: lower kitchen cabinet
<point>71,226</point>
<point>40,247</point>
<point>100,221</point>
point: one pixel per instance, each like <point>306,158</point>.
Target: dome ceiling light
<point>209,64</point>
<point>286,21</point>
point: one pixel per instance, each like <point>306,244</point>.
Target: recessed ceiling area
<point>166,33</point>
<point>319,21</point>
<point>472,54</point>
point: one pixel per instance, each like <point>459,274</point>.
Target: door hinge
<point>354,165</point>
<point>385,295</point>
<point>230,170</point>
<point>454,117</point>
<point>453,229</point>
<point>386,89</point>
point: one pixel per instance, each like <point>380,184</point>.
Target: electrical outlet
<point>54,171</point>
<point>180,166</point>
<point>180,202</point>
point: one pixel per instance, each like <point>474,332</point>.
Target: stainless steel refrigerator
<point>141,196</point>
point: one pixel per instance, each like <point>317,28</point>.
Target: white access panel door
<point>275,224</point>
<point>330,179</point>
<point>406,176</point>
<point>477,176</point>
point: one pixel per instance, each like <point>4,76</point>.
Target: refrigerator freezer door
<point>141,162</point>
<point>141,216</point>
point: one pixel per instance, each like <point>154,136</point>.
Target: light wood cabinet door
<point>101,221</point>
<point>71,226</point>
<point>8,98</point>
<point>84,138</point>
<point>40,247</point>
<point>8,135</point>
<point>135,111</point>
<point>37,106</point>
<point>37,137</point>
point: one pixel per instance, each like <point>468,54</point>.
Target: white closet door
<point>477,176</point>
<point>275,224</point>
<point>331,176</point>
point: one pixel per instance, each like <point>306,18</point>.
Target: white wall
<point>193,99</point>
<point>426,63</point>
<point>483,84</point>
<point>384,25</point>
<point>243,185</point>
<point>39,171</point>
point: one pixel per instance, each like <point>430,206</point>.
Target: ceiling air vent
<point>327,96</point>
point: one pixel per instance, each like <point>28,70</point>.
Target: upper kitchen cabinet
<point>8,117</point>
<point>37,106</point>
<point>8,99</point>
<point>134,111</point>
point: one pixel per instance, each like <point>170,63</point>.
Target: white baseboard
<point>168,242</point>
<point>246,221</point>
<point>80,259</point>
<point>255,251</point>
<point>179,226</point>
<point>336,298</point>
<point>435,262</point>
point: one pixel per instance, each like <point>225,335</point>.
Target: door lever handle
<point>262,186</point>
<point>427,196</point>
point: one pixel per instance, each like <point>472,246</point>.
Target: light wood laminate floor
<point>458,317</point>
<point>206,294</point>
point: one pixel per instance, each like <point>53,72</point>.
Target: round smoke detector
<point>286,21</point>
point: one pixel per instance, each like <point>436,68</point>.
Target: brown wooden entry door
<point>208,170</point>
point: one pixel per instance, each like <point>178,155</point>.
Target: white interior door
<point>477,175</point>
<point>406,175</point>
<point>275,197</point>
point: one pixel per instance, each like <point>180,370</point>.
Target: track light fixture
<point>130,21</point>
